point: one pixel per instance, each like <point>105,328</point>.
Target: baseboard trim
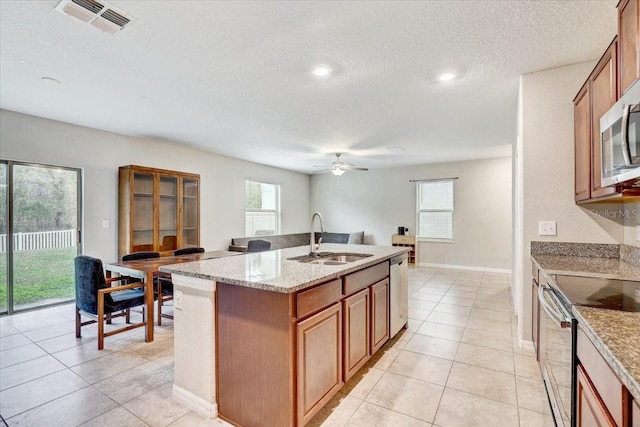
<point>198,404</point>
<point>466,267</point>
<point>526,345</point>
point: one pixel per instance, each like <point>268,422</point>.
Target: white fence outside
<point>40,240</point>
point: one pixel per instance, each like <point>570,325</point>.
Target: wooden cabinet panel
<point>318,298</point>
<point>361,279</point>
<point>590,410</point>
<point>319,360</point>
<point>410,242</point>
<point>379,314</point>
<point>603,90</point>
<point>158,210</point>
<point>356,332</point>
<point>582,141</point>
<point>629,46</point>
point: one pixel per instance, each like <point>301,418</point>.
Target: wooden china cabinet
<point>158,210</point>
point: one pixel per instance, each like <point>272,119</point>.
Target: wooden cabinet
<point>319,354</point>
<point>629,45</point>
<point>357,351</point>
<point>158,210</point>
<point>590,410</point>
<point>410,242</point>
<point>582,141</point>
<point>379,314</point>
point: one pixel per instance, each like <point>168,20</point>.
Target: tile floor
<point>457,364</point>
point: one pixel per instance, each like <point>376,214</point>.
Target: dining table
<point>147,269</point>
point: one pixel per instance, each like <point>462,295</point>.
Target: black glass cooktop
<point>602,293</point>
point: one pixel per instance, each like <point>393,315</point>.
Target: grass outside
<point>38,276</point>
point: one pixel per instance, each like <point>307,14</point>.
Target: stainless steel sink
<point>330,258</point>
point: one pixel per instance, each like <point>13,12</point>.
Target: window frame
<point>277,211</point>
<point>422,238</point>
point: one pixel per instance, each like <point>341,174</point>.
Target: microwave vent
<point>99,14</point>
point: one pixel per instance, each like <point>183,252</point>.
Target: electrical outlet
<point>177,299</point>
<point>638,233</point>
<point>547,228</point>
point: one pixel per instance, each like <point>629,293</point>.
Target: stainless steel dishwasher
<point>399,293</point>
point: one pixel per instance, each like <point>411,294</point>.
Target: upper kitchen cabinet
<point>628,44</point>
<point>158,210</point>
<point>582,139</point>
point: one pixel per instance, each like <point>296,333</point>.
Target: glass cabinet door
<point>190,210</point>
<point>168,213</point>
<point>142,212</point>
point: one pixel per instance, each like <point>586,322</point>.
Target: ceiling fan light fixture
<point>337,171</point>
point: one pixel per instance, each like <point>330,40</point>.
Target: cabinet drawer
<point>604,380</point>
<point>317,298</point>
<point>363,278</point>
<point>407,240</point>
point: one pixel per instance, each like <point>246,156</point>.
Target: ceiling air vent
<point>100,14</point>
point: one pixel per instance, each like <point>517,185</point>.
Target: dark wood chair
<point>140,255</point>
<point>258,245</point>
<point>187,251</point>
<point>96,299</point>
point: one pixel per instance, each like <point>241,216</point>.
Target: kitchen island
<point>264,338</point>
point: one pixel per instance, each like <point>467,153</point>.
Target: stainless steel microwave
<point>620,140</point>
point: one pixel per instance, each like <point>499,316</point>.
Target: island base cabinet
<point>379,314</point>
<point>590,411</point>
<point>319,357</point>
<point>356,332</point>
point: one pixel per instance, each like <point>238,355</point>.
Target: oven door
<point>556,355</point>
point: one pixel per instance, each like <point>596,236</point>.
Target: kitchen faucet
<point>312,238</point>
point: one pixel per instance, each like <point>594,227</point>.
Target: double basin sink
<point>330,258</point>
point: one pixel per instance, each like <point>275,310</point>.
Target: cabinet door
<point>379,314</point>
<point>319,360</point>
<point>190,213</point>
<point>356,332</point>
<point>167,213</point>
<point>590,411</point>
<point>582,141</point>
<point>142,212</point>
<point>628,18</point>
<point>603,96</point>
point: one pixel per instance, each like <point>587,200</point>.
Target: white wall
<point>546,138</point>
<point>99,154</point>
<point>380,200</point>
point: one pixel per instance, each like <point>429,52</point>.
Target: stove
<point>623,295</point>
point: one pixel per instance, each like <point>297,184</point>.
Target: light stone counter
<point>616,335</point>
<point>273,271</point>
<point>603,268</point>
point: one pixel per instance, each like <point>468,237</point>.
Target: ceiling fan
<point>339,167</point>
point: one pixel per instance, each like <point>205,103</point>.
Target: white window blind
<point>435,209</point>
<point>262,209</point>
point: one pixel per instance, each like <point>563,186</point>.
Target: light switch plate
<point>105,223</point>
<point>547,228</point>
<point>177,299</point>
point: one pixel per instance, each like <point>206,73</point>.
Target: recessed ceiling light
<point>446,77</point>
<point>50,79</point>
<point>321,71</point>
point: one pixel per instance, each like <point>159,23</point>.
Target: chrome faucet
<point>312,238</point>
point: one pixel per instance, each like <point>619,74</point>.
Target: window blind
<point>435,209</point>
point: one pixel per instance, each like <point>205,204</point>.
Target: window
<point>262,209</point>
<point>435,209</point>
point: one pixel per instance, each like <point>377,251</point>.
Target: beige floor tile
<point>423,296</point>
<point>485,358</point>
<point>454,319</point>
<point>401,339</point>
<point>460,409</point>
<point>108,366</point>
<point>461,287</point>
<point>23,397</point>
<point>487,325</point>
<point>487,339</point>
<point>493,305</point>
<point>422,304</point>
<point>418,314</point>
<point>498,316</point>
<point>7,330</point>
<point>64,342</point>
<point>384,357</point>
<point>532,395</point>
<point>427,290</point>
<point>452,308</point>
<point>362,382</point>
<point>116,417</point>
<point>535,419</point>
<point>157,408</point>
<point>70,410</point>
<point>27,371</point>
<point>406,395</point>
<point>527,366</point>
<point>467,302</point>
<point>483,382</point>
<point>432,346</point>
<point>83,353</point>
<point>421,367</point>
<point>336,413</point>
<point>370,415</point>
<point>493,295</point>
<point>13,341</point>
<point>462,294</point>
<point>135,382</point>
<point>20,354</point>
<point>51,331</point>
<point>413,325</point>
<point>440,330</point>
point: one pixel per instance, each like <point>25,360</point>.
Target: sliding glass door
<point>43,209</point>
<point>4,279</point>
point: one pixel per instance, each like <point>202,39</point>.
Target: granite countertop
<point>616,335</point>
<point>603,268</point>
<point>273,271</point>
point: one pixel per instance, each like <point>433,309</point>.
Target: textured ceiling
<point>234,77</point>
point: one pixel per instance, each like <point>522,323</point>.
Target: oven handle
<point>624,134</point>
<point>556,316</point>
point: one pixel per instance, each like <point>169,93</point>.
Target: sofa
<point>281,241</point>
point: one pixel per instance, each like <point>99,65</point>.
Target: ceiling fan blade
<point>321,171</point>
<point>359,169</point>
